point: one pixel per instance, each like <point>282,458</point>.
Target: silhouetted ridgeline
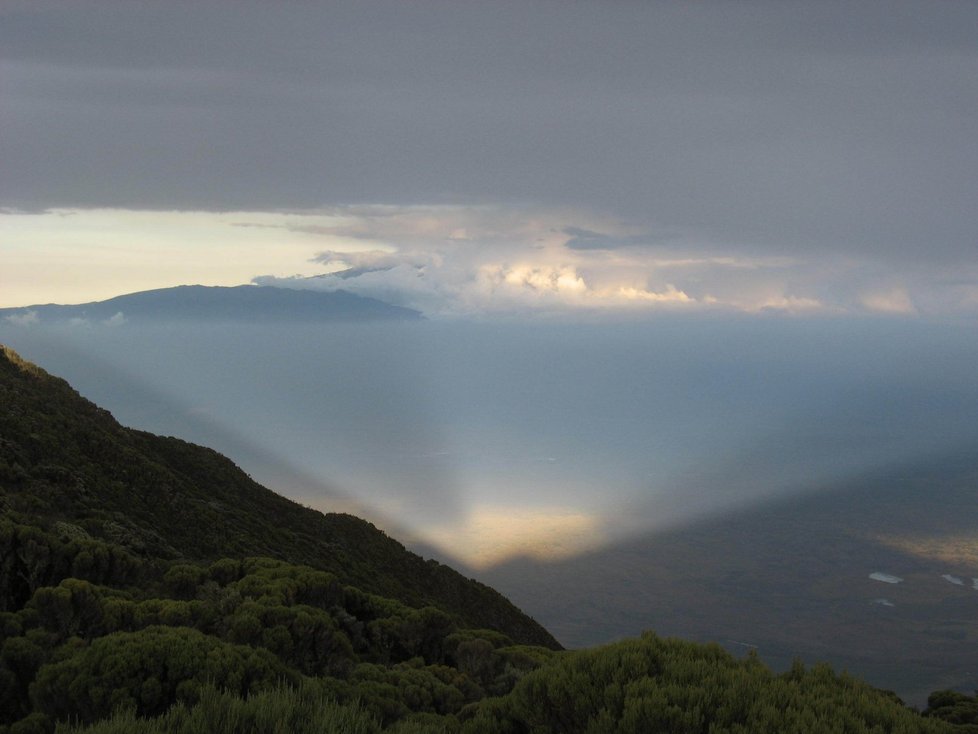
<point>245,303</point>
<point>148,585</point>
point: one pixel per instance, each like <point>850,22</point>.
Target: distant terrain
<point>246,303</point>
<point>877,575</point>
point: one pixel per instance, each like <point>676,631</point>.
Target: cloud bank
<point>463,260</point>
<point>451,261</point>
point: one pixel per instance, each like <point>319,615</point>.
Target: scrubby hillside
<point>64,460</point>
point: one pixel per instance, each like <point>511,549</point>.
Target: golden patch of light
<point>80,255</point>
<point>490,535</point>
<point>959,550</point>
<point>527,283</point>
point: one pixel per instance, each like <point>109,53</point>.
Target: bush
<point>147,671</point>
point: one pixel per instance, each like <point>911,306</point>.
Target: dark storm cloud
<point>795,127</point>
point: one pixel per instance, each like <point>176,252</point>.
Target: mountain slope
<point>118,616</point>
<point>64,459</point>
<point>246,303</point>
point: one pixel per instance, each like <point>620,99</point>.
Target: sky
<point>496,159</point>
<point>730,175</point>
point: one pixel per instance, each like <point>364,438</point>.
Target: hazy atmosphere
<point>675,260</point>
<point>488,440</point>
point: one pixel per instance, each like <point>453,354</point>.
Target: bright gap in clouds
<point>81,255</point>
<point>454,261</point>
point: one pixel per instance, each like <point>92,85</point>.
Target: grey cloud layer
<point>774,127</point>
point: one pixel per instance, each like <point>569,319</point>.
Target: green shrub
<point>148,671</point>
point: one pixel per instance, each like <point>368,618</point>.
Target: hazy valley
<point>128,607</point>
<point>610,480</point>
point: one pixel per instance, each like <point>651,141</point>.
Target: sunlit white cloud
<point>466,260</point>
<point>542,283</point>
<point>485,260</point>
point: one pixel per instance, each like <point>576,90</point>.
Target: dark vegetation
<point>147,585</point>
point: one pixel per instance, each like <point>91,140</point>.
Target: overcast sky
<point>496,156</point>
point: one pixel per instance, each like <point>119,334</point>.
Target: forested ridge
<point>148,585</point>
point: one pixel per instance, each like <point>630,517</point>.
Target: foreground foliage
<point>82,650</point>
<point>67,466</point>
<point>632,687</point>
<point>305,710</point>
<point>652,684</point>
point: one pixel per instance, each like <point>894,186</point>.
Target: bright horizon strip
<point>442,260</point>
<point>81,255</point>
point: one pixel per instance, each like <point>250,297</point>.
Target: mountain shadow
<point>876,575</point>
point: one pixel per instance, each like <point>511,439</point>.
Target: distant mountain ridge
<point>251,303</point>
